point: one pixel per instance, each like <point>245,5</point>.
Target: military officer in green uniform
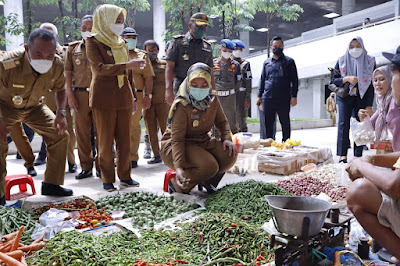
<point>243,89</point>
<point>184,51</point>
<point>25,76</point>
<point>227,76</point>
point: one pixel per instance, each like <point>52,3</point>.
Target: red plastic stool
<point>20,180</point>
<point>168,176</point>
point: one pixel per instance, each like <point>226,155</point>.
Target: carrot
<point>8,237</point>
<point>6,247</point>
<point>39,239</point>
<point>17,238</point>
<point>23,261</point>
<point>10,261</point>
<point>32,247</point>
<point>16,254</point>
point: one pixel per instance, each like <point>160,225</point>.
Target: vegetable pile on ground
<point>11,219</point>
<point>144,208</point>
<point>12,251</point>
<point>309,186</point>
<point>92,218</point>
<point>208,240</point>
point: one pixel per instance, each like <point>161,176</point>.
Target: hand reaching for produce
<point>181,180</point>
<point>232,148</point>
<point>353,166</point>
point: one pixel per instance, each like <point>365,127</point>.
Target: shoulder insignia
<point>12,58</point>
<point>178,36</point>
<point>207,42</point>
<point>74,43</point>
<point>9,64</point>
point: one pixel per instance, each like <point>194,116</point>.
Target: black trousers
<point>272,108</point>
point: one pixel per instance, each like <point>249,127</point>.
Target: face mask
<point>199,33</point>
<point>117,29</point>
<point>356,52</point>
<point>237,53</point>
<point>153,56</point>
<point>278,51</point>
<point>41,66</point>
<point>226,55</point>
<point>131,43</point>
<point>199,94</point>
<point>85,34</point>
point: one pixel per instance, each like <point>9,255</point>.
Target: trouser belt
<point>242,89</point>
<point>81,89</point>
<point>226,93</point>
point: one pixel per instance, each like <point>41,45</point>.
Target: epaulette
<point>12,58</point>
<point>137,50</point>
<point>73,43</point>
<point>207,42</point>
<point>58,60</point>
<point>178,36</point>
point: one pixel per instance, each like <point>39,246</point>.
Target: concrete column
<point>348,7</point>
<point>397,8</point>
<point>14,6</point>
<point>318,97</point>
<point>245,38</point>
<point>159,25</point>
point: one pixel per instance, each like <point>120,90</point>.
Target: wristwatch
<point>149,95</point>
<point>63,112</point>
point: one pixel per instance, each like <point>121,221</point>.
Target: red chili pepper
<point>201,237</point>
<point>180,261</point>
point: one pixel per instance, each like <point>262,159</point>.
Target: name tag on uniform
<point>18,86</point>
<point>205,49</point>
<point>78,53</point>
<point>195,116</point>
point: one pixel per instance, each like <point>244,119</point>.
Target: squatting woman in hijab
<point>111,97</point>
<point>355,67</point>
<point>186,145</point>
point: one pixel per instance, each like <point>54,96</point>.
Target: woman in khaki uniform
<point>186,145</point>
<point>111,97</point>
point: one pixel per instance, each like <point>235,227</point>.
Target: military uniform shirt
<point>245,70</point>
<point>227,74</point>
<point>76,61</point>
<point>20,86</point>
<point>184,50</point>
<point>159,67</point>
<point>139,76</point>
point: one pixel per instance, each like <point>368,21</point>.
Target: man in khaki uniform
<point>143,80</point>
<point>331,107</point>
<point>78,76</point>
<point>50,101</point>
<point>156,116</point>
<point>25,76</point>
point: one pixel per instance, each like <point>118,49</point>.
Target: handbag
<point>344,91</point>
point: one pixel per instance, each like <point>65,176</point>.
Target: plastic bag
<point>51,222</point>
<point>363,133</point>
<point>247,140</point>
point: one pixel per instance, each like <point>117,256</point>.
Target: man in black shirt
<point>278,89</point>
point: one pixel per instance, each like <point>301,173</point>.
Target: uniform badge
<point>17,100</point>
<point>77,61</point>
<point>195,123</point>
<point>185,57</point>
<point>109,52</point>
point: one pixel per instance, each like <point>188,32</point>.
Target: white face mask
<point>237,54</point>
<point>356,52</point>
<point>117,29</point>
<point>40,65</point>
<point>226,55</point>
<point>85,34</point>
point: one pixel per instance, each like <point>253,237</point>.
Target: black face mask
<point>278,51</point>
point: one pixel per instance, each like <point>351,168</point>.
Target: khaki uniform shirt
<point>184,50</point>
<point>20,86</point>
<point>227,74</point>
<point>190,126</point>
<point>330,104</point>
<point>139,76</point>
<point>104,90</point>
<point>159,67</point>
<point>76,61</point>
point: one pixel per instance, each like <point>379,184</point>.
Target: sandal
<point>384,255</point>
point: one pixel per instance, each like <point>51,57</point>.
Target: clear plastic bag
<point>363,133</point>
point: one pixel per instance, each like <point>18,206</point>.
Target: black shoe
<point>109,187</point>
<point>3,200</point>
<point>18,156</point>
<point>39,161</point>
<point>134,164</point>
<point>343,161</point>
<point>98,174</point>
<point>55,190</point>
<point>72,167</point>
<point>31,171</point>
<point>129,183</point>
<point>147,154</point>
<point>155,160</point>
<point>200,187</point>
<point>84,174</point>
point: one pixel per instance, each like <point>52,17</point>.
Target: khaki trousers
<point>83,123</point>
<point>203,165</point>
<point>135,127</point>
<point>228,104</point>
<point>72,137</point>
<point>113,125</point>
<point>41,120</point>
<point>21,141</point>
<point>154,117</point>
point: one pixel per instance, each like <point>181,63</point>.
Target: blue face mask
<point>199,94</point>
<point>131,43</point>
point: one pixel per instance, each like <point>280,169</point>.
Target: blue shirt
<point>278,79</point>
